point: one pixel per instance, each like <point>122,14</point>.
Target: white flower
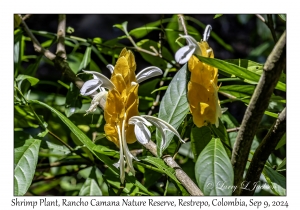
<point>184,54</point>
<point>142,133</point>
<point>99,80</point>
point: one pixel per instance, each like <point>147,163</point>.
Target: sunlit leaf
<point>86,59</point>
<point>90,145</point>
<point>282,16</point>
<point>217,16</point>
<point>158,89</point>
<point>237,71</point>
<point>213,167</point>
<point>160,164</point>
<point>25,160</point>
<point>282,165</point>
<point>276,181</point>
<point>91,186</point>
<point>282,142</point>
<point>200,137</point>
<point>17,20</point>
<point>174,106</point>
<point>221,132</point>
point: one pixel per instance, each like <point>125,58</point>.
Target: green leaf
<point>259,50</point>
<point>75,59</point>
<point>86,59</point>
<point>244,93</point>
<point>282,142</point>
<point>72,102</point>
<point>122,26</point>
<point>221,132</point>
<point>25,160</point>
<point>282,165</point>
<point>217,16</point>
<point>32,80</point>
<point>282,16</point>
<point>213,170</point>
<point>200,137</point>
<point>158,89</point>
<point>106,151</point>
<point>146,99</point>
<point>91,146</point>
<point>174,106</point>
<point>276,181</point>
<point>160,164</point>
<point>230,122</point>
<point>237,71</point>
<point>90,186</point>
<point>23,117</point>
<point>155,60</point>
<point>238,92</point>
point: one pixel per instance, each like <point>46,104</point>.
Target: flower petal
<point>162,126</point>
<point>121,160</point>
<point>184,54</point>
<point>142,133</point>
<point>90,86</point>
<point>147,73</point>
<point>137,119</point>
<point>96,101</point>
<point>105,81</point>
<point>110,68</point>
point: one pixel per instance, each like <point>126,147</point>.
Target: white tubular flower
<point>96,101</point>
<point>147,73</point>
<point>92,85</point>
<point>142,133</point>
<point>110,68</point>
<point>183,54</point>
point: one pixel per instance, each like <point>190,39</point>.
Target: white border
<point>8,8</point>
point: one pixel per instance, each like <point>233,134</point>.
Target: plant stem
<point>258,104</point>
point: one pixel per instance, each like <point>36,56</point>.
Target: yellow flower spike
<point>122,105</point>
<point>202,88</point>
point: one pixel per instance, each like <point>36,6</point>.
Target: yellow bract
<point>122,102</point>
<point>202,89</point>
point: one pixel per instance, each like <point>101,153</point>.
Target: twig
<point>270,24</point>
<point>61,33</point>
<point>37,46</point>
<point>157,99</point>
<point>184,179</point>
<point>255,111</point>
<point>181,20</point>
<point>265,148</point>
<point>139,49</point>
<point>26,16</point>
<point>261,18</point>
<point>59,175</point>
<point>271,27</point>
<point>62,163</point>
<point>233,129</point>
